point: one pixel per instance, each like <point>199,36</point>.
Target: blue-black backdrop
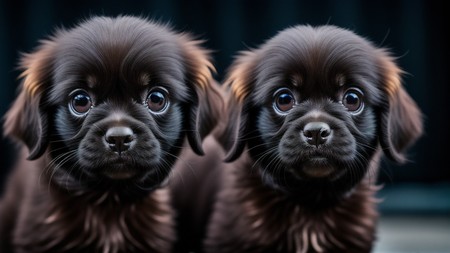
<point>414,30</point>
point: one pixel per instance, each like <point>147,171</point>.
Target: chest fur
<point>258,219</point>
<point>105,225</point>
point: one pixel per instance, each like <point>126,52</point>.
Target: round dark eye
<point>353,100</point>
<point>283,101</point>
<point>157,100</point>
<point>80,103</point>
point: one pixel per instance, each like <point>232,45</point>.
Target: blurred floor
<point>415,218</point>
<point>413,234</point>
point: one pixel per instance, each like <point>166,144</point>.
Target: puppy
<point>310,113</point>
<point>104,109</point>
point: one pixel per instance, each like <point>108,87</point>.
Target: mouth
<point>120,169</point>
<point>120,174</point>
<point>318,167</point>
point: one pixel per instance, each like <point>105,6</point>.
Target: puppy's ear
<point>238,85</point>
<point>207,105</point>
<point>401,119</point>
<point>27,118</point>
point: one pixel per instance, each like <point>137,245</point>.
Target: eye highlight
<point>80,103</point>
<point>283,101</point>
<point>353,100</point>
<point>157,100</point>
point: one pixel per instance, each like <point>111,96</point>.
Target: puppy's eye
<point>157,100</point>
<point>80,103</point>
<point>283,101</point>
<point>353,100</point>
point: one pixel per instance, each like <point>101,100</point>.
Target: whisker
<point>55,164</point>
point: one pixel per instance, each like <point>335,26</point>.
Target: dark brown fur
<point>66,197</point>
<point>267,202</point>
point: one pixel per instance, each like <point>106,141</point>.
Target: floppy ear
<point>401,119</point>
<point>238,85</point>
<point>206,108</point>
<point>233,135</point>
<point>27,119</point>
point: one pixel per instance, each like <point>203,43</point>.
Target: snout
<point>119,146</point>
<point>316,144</point>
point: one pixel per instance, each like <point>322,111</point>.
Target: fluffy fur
<point>104,109</point>
<point>310,113</point>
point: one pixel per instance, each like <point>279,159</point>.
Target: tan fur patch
<point>239,79</point>
<point>199,59</point>
<point>392,74</point>
<point>36,68</point>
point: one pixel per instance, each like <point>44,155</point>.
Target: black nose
<point>316,133</point>
<point>119,139</point>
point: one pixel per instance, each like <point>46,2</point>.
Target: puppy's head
<point>313,105</point>
<point>113,99</point>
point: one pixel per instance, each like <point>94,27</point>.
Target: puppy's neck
<point>252,181</point>
<point>347,225</point>
<point>142,226</point>
<point>311,193</point>
<point>53,219</point>
<point>70,183</point>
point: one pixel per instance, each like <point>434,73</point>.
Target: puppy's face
<point>112,101</point>
<point>314,104</point>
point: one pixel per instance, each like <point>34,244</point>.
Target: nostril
<point>308,133</point>
<point>114,140</point>
<point>128,139</point>
<point>325,132</point>
<point>119,139</point>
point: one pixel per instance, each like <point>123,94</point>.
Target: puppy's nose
<point>316,133</point>
<point>119,139</point>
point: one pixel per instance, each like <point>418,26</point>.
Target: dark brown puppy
<point>104,109</point>
<point>310,113</point>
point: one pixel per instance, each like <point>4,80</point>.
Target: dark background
<point>415,31</point>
